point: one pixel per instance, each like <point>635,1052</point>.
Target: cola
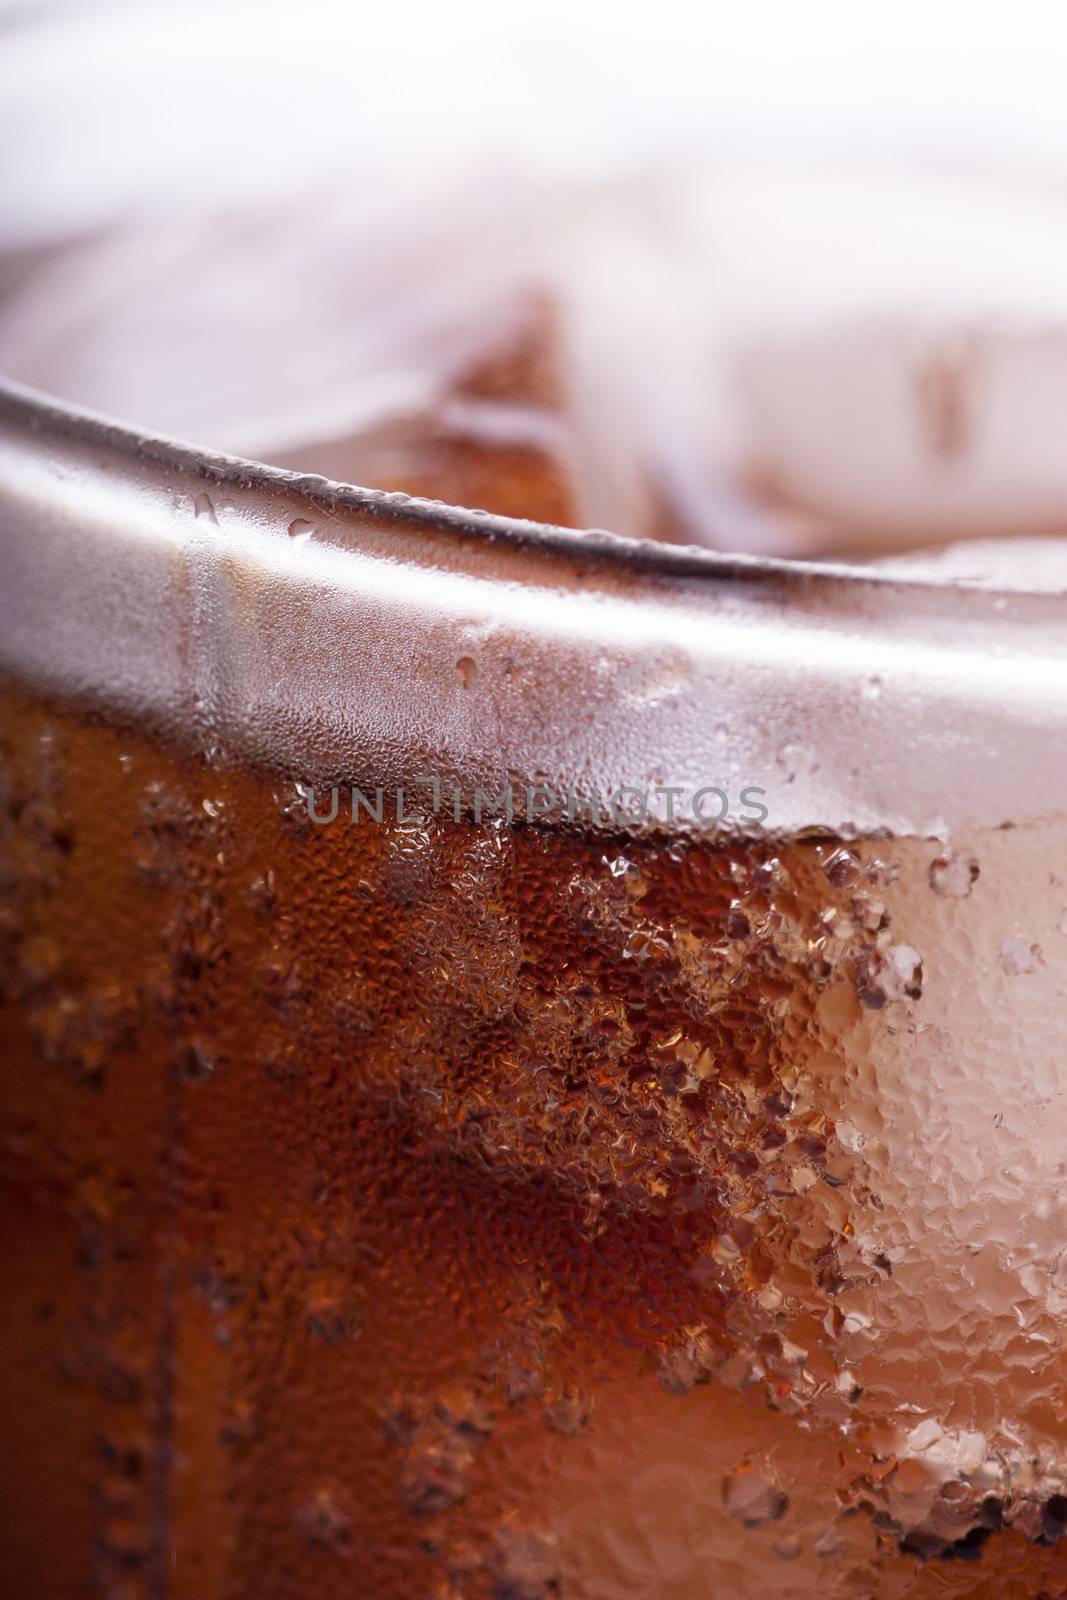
<point>486,1209</point>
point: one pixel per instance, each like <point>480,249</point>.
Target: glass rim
<point>348,636</point>
<point>620,551</point>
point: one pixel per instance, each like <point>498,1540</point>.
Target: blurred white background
<point>820,246</point>
<point>104,106</point>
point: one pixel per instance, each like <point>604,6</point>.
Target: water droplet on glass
<point>952,876</point>
<point>842,869</point>
<point>894,974</point>
<point>1019,956</point>
<point>752,1498</point>
<point>194,1064</point>
<point>524,1566</point>
<point>325,1521</point>
<point>435,1479</point>
<point>568,1415</point>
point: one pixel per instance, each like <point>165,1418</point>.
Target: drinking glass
<point>531,1060</point>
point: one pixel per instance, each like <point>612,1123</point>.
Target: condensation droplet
<point>467,669</point>
<point>524,1566</point>
<point>895,973</point>
<point>953,876</point>
<point>842,868</point>
<point>568,1415</point>
<point>1019,956</point>
<point>301,530</point>
<point>751,1498</point>
<point>666,677</point>
<point>325,1521</point>
<point>203,507</point>
<point>194,1064</point>
<point>434,1480</point>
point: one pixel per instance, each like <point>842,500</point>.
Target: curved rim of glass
<point>647,557</point>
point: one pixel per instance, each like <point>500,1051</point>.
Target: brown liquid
<point>463,1211</point>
